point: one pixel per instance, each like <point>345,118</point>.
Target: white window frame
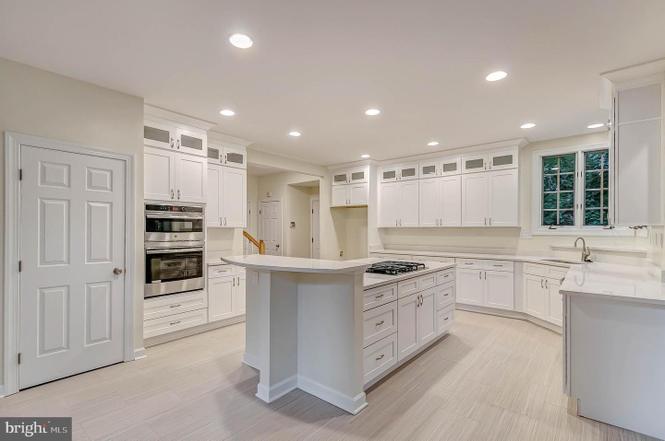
<point>537,193</point>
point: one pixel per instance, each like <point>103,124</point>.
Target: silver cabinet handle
<point>546,287</point>
<point>378,296</point>
<point>379,323</point>
<point>224,220</point>
<point>380,357</point>
<point>177,305</point>
<point>172,195</point>
<point>480,275</point>
<point>446,319</point>
<point>177,143</point>
<point>220,221</point>
<point>541,283</point>
<point>171,141</point>
<point>485,220</point>
<point>174,323</point>
<point>178,194</point>
<point>485,275</point>
<point>234,281</point>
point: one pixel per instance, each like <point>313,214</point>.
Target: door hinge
<point>19,358</point>
<point>20,174</point>
<point>20,266</point>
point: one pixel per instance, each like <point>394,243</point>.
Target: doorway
<point>270,220</point>
<point>70,211</point>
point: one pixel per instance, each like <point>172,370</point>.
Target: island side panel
<point>330,363</point>
<point>255,316</point>
<point>617,362</point>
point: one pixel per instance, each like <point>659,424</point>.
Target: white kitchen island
<point>314,324</point>
<point>614,345</point>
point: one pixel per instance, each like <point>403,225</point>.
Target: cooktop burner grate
<point>394,268</point>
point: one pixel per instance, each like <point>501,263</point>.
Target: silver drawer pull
<point>175,306</point>
<point>174,323</point>
<point>446,275</point>
<point>498,265</point>
<point>378,296</point>
<point>380,323</point>
<point>380,357</point>
<point>445,319</point>
<point>446,294</point>
<point>468,263</point>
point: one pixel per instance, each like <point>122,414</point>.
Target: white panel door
<point>339,195</point>
<point>270,217</point>
<point>72,239</point>
<point>191,183</point>
<point>316,226</point>
<point>388,203</point>
<point>220,298</point>
<point>427,317</point>
<point>503,198</point>
<point>358,194</point>
<point>431,209</point>
<point>158,174</point>
<point>470,287</point>
<point>499,290</point>
<point>408,204</point>
<point>234,197</point>
<point>451,201</point>
<point>214,180</point>
<point>555,307</point>
<point>407,326</point>
<point>535,296</point>
<point>475,199</point>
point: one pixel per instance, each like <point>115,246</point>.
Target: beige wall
<point>40,103</point>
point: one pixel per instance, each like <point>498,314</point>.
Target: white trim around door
<point>11,314</point>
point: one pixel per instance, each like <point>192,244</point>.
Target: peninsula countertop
<point>375,280</point>
<point>613,281</point>
<point>300,264</point>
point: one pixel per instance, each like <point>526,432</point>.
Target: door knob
<point>117,271</point>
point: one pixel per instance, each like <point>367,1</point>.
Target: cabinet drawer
<point>445,295</point>
<point>469,264</point>
<point>379,357</point>
<point>407,287</point>
<point>172,323</point>
<point>536,270</point>
<point>444,319</point>
<point>445,276</point>
<point>220,271</point>
<point>173,304</point>
<point>379,296</point>
<point>427,281</point>
<point>379,323</point>
<point>499,265</point>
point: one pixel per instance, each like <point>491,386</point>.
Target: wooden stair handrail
<point>260,244</point>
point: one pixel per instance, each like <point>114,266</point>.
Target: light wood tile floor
<point>491,379</point>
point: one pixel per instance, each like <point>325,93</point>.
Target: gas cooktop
<point>393,268</point>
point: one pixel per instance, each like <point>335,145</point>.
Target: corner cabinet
<point>350,188</point>
<point>227,196</point>
<point>173,176</point>
<point>541,292</point>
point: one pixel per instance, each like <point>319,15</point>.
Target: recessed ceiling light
<point>433,143</point>
<point>295,133</point>
<point>595,126</point>
<point>241,41</point>
<point>365,156</point>
<point>528,125</point>
<point>372,112</point>
<point>496,76</point>
<point>227,112</point>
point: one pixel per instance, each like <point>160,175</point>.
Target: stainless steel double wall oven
<point>174,238</point>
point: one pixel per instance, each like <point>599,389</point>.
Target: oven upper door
<point>173,270</point>
<point>173,226</point>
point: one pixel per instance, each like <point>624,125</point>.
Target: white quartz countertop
<point>372,280</point>
<point>300,264</point>
<point>612,281</point>
<point>459,255</point>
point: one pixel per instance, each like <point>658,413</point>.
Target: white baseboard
<point>139,353</point>
<point>353,405</point>
<point>270,394</point>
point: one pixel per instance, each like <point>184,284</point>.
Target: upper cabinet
<point>440,167</point>
<point>400,172</point>
<point>493,160</point>
<point>350,187</point>
<point>174,137</point>
<point>227,197</point>
<point>227,154</point>
<point>638,140</point>
<point>170,176</point>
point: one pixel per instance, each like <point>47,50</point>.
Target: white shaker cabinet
<point>226,292</point>
<point>470,286</point>
<point>407,326</point>
<point>488,283</point>
<point>535,296</point>
<point>541,292</point>
<point>226,196</point>
<point>503,198</point>
<point>350,188</point>
<point>440,201</point>
<point>500,290</point>
<point>172,176</point>
<point>399,204</point>
<point>427,317</point>
<point>475,199</point>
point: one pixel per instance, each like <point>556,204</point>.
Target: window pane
<point>567,200</point>
<point>559,189</point>
<point>596,187</point>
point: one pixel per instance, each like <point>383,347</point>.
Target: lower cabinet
<point>486,283</point>
<point>416,322</point>
<point>226,292</point>
<point>541,293</point>
<point>172,323</point>
<point>379,357</point>
<point>470,286</point>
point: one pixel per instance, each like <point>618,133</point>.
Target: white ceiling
<point>317,65</point>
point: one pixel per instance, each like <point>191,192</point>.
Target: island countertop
<point>299,264</point>
<point>612,281</point>
<point>375,280</point>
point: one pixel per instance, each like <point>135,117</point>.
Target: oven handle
<point>161,215</point>
<point>172,250</point>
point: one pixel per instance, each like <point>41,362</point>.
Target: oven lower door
<point>174,270</point>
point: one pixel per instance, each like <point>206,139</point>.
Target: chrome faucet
<point>586,254</point>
